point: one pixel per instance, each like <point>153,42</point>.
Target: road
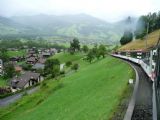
<point>13,98</point>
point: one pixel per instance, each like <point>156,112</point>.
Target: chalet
<point>46,54</point>
<point>1,67</point>
<point>41,60</point>
<point>53,51</point>
<point>25,80</point>
<point>38,66</point>
<point>31,60</point>
<point>16,59</point>
<point>31,55</point>
<point>18,69</point>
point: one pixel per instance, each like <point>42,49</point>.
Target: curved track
<point>143,104</point>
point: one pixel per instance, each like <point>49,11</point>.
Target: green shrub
<point>68,63</point>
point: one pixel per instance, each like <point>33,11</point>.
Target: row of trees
<point>93,53</point>
<point>96,52</point>
<point>147,23</point>
<point>29,43</point>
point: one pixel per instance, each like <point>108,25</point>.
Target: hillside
<point>87,94</point>
<point>85,27</point>
<point>152,40</point>
<point>10,27</point>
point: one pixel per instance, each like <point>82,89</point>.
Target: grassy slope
<point>140,44</point>
<point>2,82</point>
<point>16,53</point>
<point>64,57</point>
<point>89,94</point>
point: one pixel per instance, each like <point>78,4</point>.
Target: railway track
<point>143,103</point>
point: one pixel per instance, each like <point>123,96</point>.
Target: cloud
<point>110,10</point>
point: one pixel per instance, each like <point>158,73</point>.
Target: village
<point>27,67</point>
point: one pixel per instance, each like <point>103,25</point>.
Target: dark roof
<point>31,59</point>
<point>46,53</point>
<point>38,66</point>
<point>21,81</point>
<point>41,60</point>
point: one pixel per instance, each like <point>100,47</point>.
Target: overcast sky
<point>109,10</point>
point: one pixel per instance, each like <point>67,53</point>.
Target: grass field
<point>140,44</point>
<point>91,93</point>
<point>64,57</point>
<point>16,53</point>
<point>2,82</point>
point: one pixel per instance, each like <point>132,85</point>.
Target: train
<point>145,58</point>
<point>149,60</point>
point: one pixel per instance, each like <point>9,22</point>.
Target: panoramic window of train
<point>154,56</point>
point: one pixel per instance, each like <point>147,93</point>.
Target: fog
<point>109,10</point>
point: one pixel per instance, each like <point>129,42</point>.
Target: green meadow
<point>91,93</point>
<point>2,82</point>
<point>16,53</point>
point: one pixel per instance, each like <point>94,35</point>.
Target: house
<point>53,51</point>
<point>16,59</point>
<point>46,54</point>
<point>25,80</point>
<point>38,66</point>
<point>18,69</point>
<point>31,60</point>
<point>62,66</point>
<point>1,67</point>
<point>41,60</point>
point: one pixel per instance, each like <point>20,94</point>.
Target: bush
<point>62,72</point>
<point>26,66</point>
<point>68,63</point>
<point>43,85</point>
<point>75,67</point>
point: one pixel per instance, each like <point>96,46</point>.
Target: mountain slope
<point>7,26</point>
<point>152,40</point>
<point>85,27</point>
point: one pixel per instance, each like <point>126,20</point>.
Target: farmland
<point>16,53</point>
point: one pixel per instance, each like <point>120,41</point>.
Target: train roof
<point>139,50</point>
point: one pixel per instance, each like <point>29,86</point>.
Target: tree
<point>91,55</point>
<point>74,45</point>
<point>68,63</point>
<point>126,38</point>
<point>26,66</point>
<point>75,67</point>
<point>3,55</point>
<point>102,50</point>
<point>55,71</point>
<point>9,70</point>
<point>52,66</point>
<point>141,27</point>
<point>147,23</point>
<point>85,48</point>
